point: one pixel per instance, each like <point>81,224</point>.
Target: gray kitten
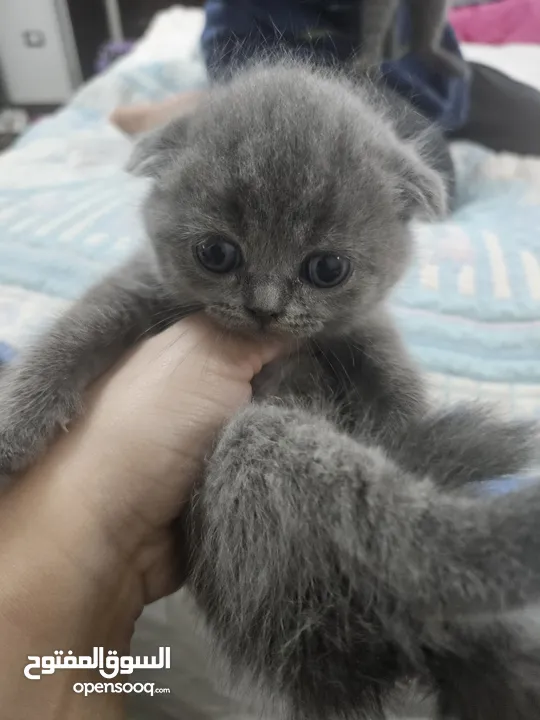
<point>333,549</point>
<point>428,17</point>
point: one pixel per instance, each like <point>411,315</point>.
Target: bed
<point>469,307</point>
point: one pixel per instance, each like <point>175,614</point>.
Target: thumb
<point>218,351</point>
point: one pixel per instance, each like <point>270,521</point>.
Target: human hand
<point>104,498</point>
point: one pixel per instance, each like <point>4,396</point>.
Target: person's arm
<point>85,536</point>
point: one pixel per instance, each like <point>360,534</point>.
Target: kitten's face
<point>273,213</point>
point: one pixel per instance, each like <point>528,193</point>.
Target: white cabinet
<point>38,57</point>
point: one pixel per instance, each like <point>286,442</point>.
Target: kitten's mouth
<point>266,326</point>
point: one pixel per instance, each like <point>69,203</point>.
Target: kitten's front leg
<point>42,391</point>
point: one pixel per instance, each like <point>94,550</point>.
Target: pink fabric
<point>507,21</point>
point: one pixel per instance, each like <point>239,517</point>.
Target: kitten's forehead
<point>281,159</point>
<point>273,120</point>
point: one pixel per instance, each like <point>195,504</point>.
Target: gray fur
<point>327,574</point>
<point>331,549</point>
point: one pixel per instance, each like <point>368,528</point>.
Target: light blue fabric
<point>504,486</point>
<point>488,329</point>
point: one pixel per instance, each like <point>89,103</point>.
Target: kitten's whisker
<point>170,345</point>
<point>162,317</point>
<point>168,317</point>
<point>346,372</point>
<point>325,356</point>
<point>350,348</point>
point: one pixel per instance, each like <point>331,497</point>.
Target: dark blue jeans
<point>329,30</point>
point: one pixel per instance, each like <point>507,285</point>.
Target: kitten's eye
<point>218,255</point>
<point>325,270</point>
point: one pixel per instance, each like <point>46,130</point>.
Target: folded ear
<point>422,190</point>
<point>155,151</point>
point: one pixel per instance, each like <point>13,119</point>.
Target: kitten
<point>332,552</point>
<point>427,17</point>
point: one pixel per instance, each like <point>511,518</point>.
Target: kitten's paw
<point>264,433</point>
<point>271,441</point>
<point>30,422</point>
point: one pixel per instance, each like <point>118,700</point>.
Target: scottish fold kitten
<point>334,551</point>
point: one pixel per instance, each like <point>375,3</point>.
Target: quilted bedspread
<point>469,308</point>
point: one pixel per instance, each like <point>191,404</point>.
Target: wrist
<point>51,600</point>
<point>49,696</point>
<point>70,585</point>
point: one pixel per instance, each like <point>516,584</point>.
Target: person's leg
<point>504,114</point>
<point>135,119</point>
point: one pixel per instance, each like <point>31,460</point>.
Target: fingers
<point>200,342</point>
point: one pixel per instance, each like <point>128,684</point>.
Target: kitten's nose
<point>264,300</point>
